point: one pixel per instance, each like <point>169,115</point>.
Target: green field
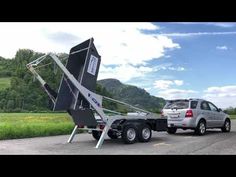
<point>233,116</point>
<point>5,83</point>
<point>25,125</point>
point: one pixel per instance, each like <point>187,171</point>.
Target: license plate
<point>174,116</point>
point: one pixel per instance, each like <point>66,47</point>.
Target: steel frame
<point>90,97</point>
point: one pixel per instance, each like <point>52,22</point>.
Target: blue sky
<point>208,55</point>
<point>169,60</point>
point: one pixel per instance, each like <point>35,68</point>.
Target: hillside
<point>20,92</point>
<point>132,95</point>
<point>5,82</point>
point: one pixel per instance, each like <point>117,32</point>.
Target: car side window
<point>194,104</point>
<point>205,106</point>
<point>213,107</point>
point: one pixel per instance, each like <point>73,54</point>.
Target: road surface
<point>183,142</point>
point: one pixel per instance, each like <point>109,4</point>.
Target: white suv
<point>196,114</point>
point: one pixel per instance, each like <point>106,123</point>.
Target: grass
<point>5,82</point>
<point>232,116</point>
<point>26,125</point>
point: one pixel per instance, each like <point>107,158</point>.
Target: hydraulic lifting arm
<point>94,99</point>
<point>82,56</point>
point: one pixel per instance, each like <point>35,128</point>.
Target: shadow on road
<point>208,132</point>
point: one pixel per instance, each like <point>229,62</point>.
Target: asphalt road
<point>183,142</point>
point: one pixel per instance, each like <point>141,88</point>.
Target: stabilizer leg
<point>72,134</point>
<point>104,132</point>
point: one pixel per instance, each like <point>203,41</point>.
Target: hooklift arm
<point>45,86</point>
<point>94,99</point>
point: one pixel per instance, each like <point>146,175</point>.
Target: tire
<point>227,126</point>
<point>129,134</point>
<point>112,134</point>
<point>96,134</point>
<point>144,133</point>
<point>171,130</point>
<point>201,128</point>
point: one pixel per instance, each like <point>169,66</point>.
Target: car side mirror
<point>219,110</point>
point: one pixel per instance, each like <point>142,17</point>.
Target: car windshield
<point>180,104</point>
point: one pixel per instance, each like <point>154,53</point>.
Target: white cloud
<point>123,73</point>
<point>169,94</point>
<point>148,89</point>
<point>167,66</point>
<point>219,24</point>
<point>126,72</point>
<point>224,25</point>
<point>225,90</point>
<point>117,43</point>
<point>121,45</point>
<point>223,97</point>
<point>165,84</point>
<point>177,69</point>
<point>222,47</point>
<point>163,66</point>
<point>178,82</point>
<point>197,34</point>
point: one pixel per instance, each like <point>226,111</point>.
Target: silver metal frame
<point>89,96</point>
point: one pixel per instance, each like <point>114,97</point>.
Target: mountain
<point>133,95</point>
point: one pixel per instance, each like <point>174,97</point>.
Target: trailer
<point>76,95</point>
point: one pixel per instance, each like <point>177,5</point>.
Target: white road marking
<point>161,144</point>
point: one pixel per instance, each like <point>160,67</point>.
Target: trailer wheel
<point>112,134</point>
<point>96,134</point>
<point>129,134</point>
<point>144,133</point>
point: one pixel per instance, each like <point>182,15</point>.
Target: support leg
<point>73,134</point>
<point>104,132</point>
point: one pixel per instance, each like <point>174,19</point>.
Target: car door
<point>214,114</point>
<point>218,115</point>
<point>205,111</point>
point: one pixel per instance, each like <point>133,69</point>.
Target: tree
<point>10,105</point>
